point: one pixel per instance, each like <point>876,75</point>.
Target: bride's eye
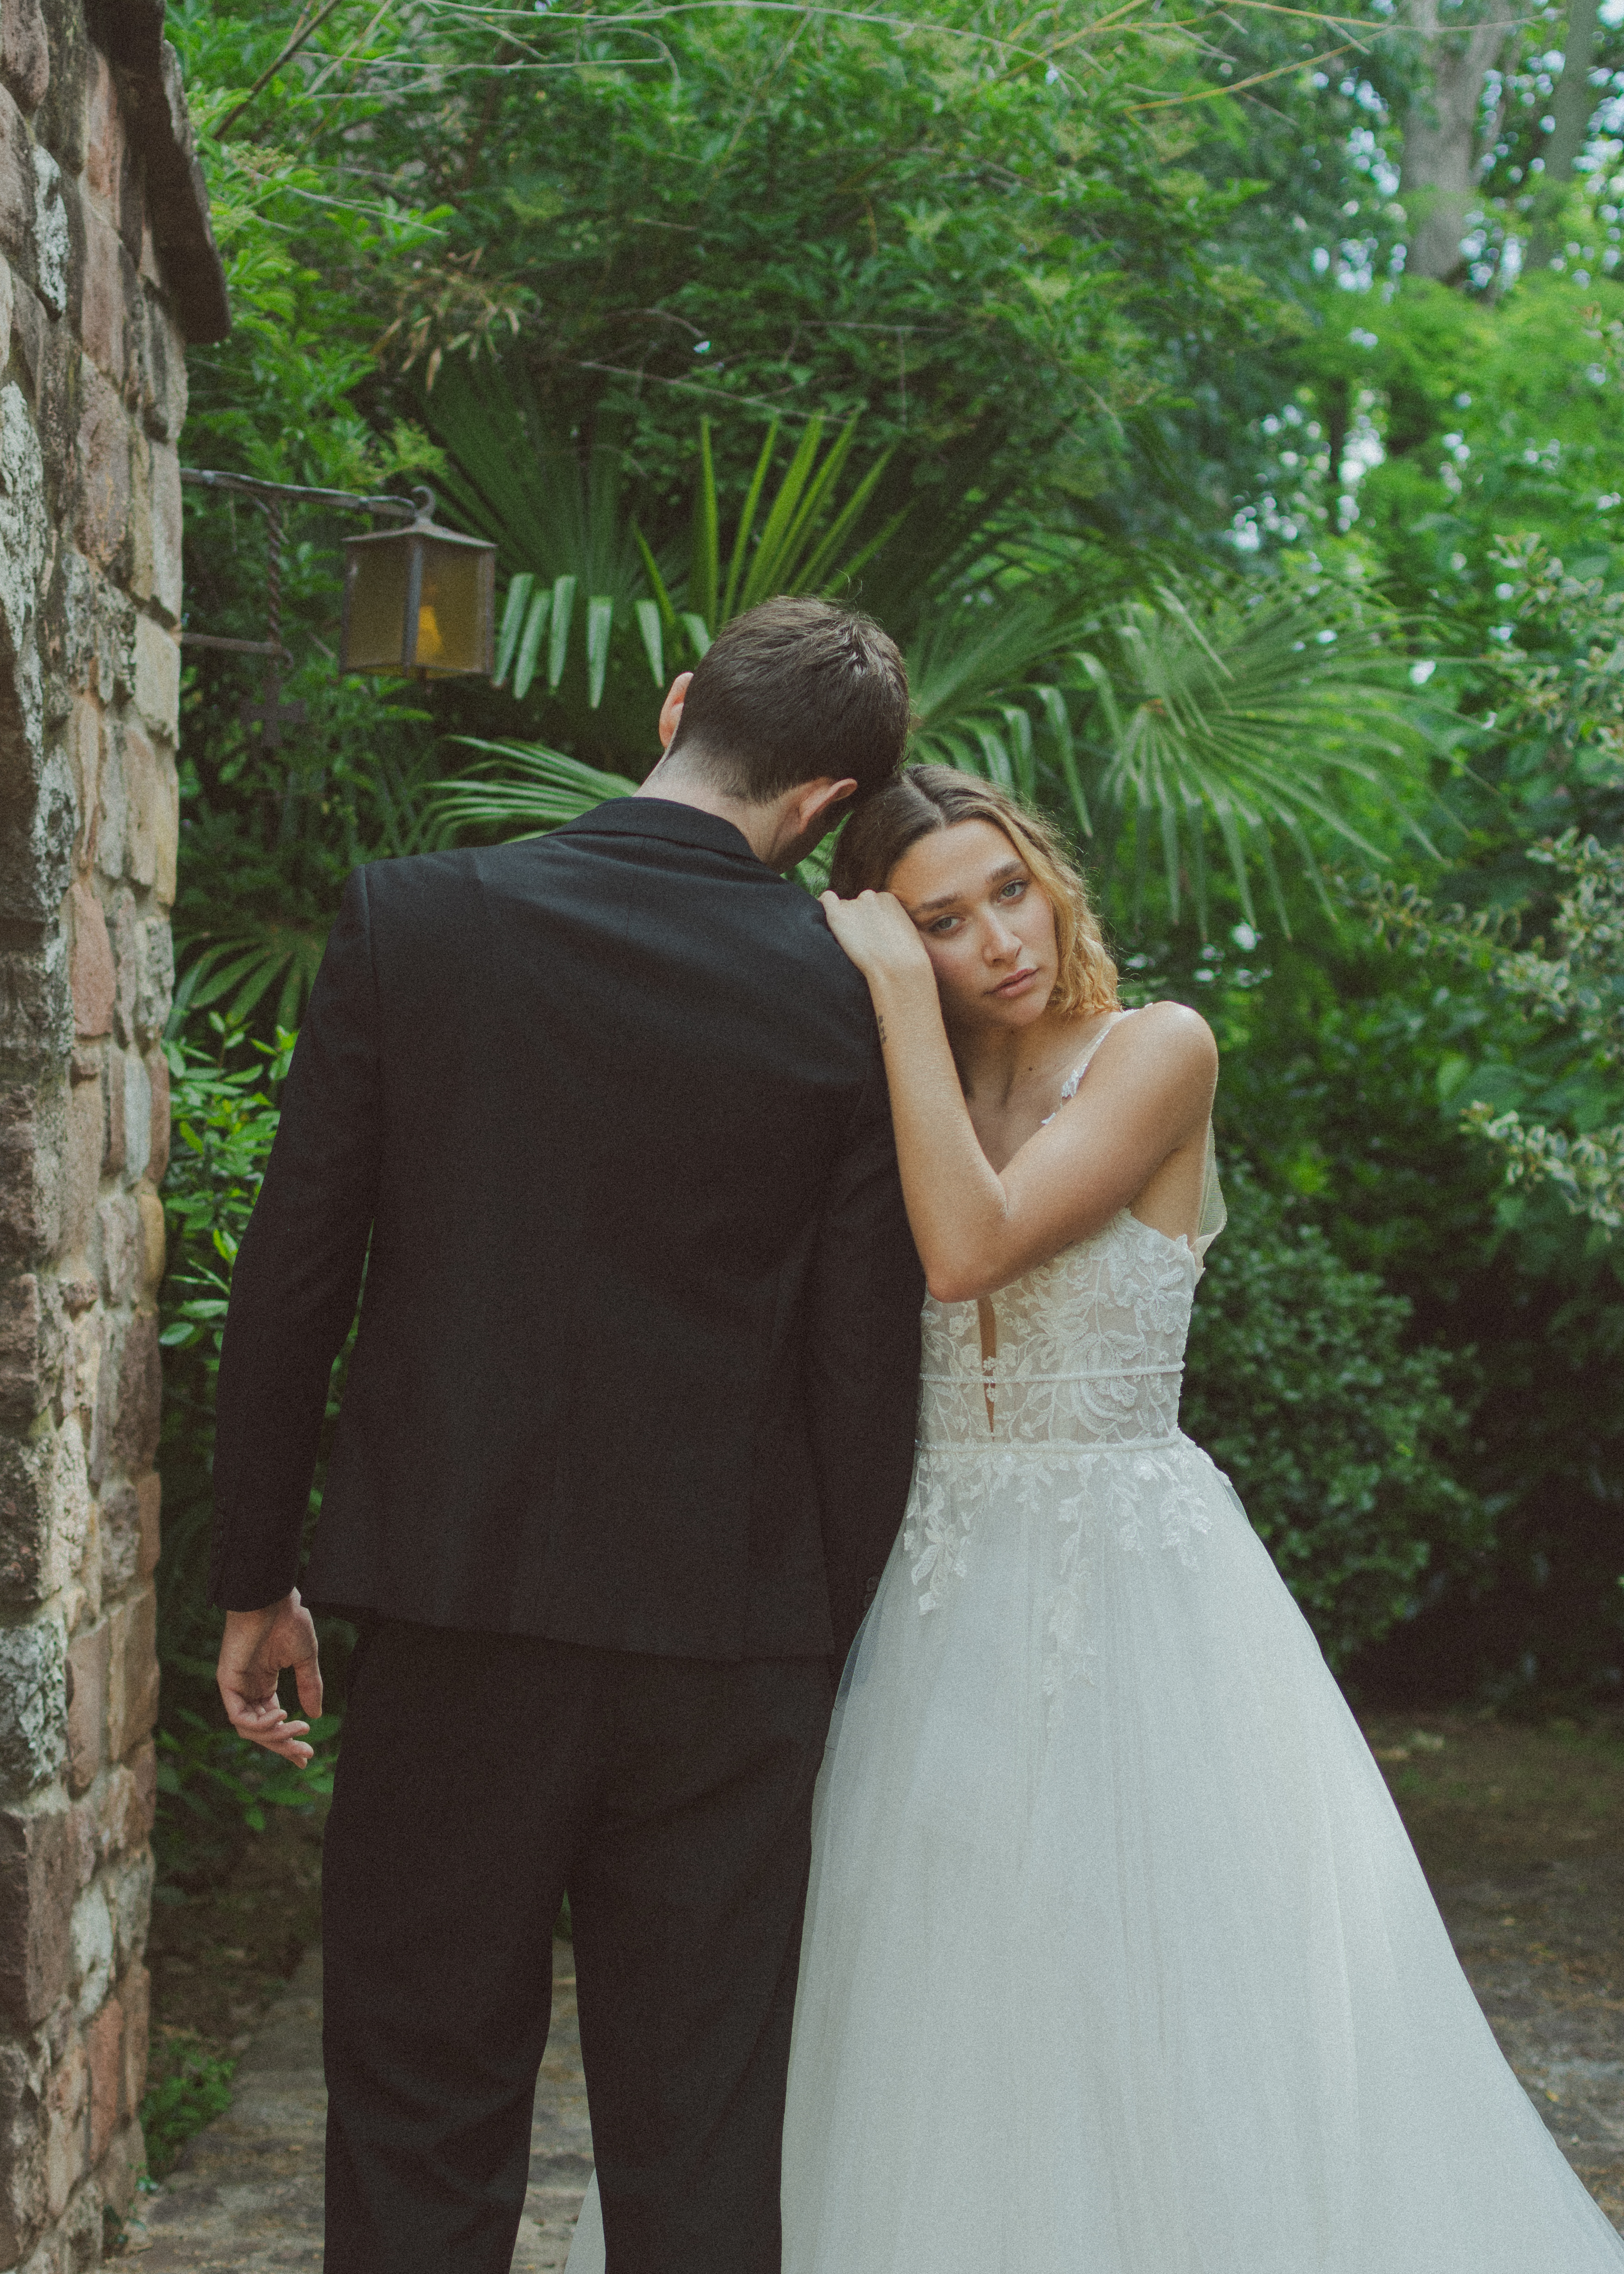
<point>1013,890</point>
<point>940,928</point>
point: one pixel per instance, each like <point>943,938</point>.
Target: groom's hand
<point>254,1649</point>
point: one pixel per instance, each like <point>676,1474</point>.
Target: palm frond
<point>1257,719</point>
<point>555,513</point>
<point>522,789</point>
<point>237,971</point>
<point>980,666</point>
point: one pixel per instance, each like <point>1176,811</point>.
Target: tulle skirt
<point>1117,1959</point>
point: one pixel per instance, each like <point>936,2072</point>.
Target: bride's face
<point>988,926</point>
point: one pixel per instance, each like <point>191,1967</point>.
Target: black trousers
<point>480,1776</point>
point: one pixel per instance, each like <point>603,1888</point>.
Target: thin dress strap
<point>1068,1087</point>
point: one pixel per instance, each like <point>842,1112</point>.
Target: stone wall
<point>106,264</point>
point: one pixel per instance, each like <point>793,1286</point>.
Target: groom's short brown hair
<point>791,691</point>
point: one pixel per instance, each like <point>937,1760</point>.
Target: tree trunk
<point>1573,107</point>
<point>1439,175</point>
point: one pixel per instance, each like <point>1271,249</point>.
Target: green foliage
<point>224,1124</point>
<point>1249,712</point>
<point>1115,307</point>
<point>187,2088</point>
<point>524,789</point>
<point>211,1784</point>
<point>1339,1435</point>
<point>208,1773</point>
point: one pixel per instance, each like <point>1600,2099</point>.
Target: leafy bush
<point>1336,1435</point>
<point>211,1784</point>
<point>210,1771</point>
<point>225,1116</point>
<point>188,2088</point>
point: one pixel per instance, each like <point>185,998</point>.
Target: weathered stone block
<point>93,977</point>
<point>161,369</point>
<point>36,1897</point>
<point>141,1390</point>
<point>107,290</point>
<point>45,1513</point>
<point>33,1705</point>
<point>16,181</point>
<point>25,54</point>
<point>144,957</point>
<point>22,2151</point>
<point>158,1081</point>
<point>36,1009</point>
<point>53,241</point>
<point>118,1246</point>
<point>26,1515</point>
<point>124,2162</point>
<point>129,1886</point>
<point>83,743</point>
<point>112,1072</point>
<point>87,1660</point>
<point>82,2231</point>
<point>120,1812</point>
<point>157,677</point>
<point>149,1493</point>
<point>38,832</point>
<point>81,1166</point>
<point>147,798</point>
<point>166,531</point>
<point>119,1525</point>
<point>90,1946</point>
<point>86,1333</point>
<point>107,144</point>
<point>152,1244</point>
<point>132,1684</point>
<point>25,1370</point>
<point>104,2050</point>
<point>135,1994</point>
<point>64,2135</point>
<point>137,1116</point>
<point>104,470</point>
<point>143,1765</point>
<point>31,1134</point>
<point>112,831</point>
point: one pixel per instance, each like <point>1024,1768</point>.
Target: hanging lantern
<point>419,600</point>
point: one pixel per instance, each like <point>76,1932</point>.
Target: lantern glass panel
<point>454,613</point>
<point>375,577</point>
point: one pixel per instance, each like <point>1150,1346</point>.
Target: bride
<point>1116,1957</point>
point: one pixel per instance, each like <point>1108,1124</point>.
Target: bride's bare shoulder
<point>1172,1037</point>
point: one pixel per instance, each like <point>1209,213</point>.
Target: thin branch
<point>301,33</point>
<point>1171,102</point>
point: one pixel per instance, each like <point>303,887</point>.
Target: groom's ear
<point>827,806</point>
<point>671,709</point>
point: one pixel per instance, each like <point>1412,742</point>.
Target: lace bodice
<point>1085,1351</point>
<point>1060,1393</point>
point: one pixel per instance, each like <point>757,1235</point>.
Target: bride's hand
<point>878,934</point>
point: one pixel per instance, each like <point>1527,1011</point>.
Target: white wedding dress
<point>1117,1959</point>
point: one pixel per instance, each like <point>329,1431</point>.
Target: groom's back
<point>623,1075</point>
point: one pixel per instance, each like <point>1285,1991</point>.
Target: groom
<point>625,1441</point>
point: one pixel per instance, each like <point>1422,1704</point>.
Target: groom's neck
<point>679,784</point>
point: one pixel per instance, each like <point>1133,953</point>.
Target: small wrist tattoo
<point>881,1024</point>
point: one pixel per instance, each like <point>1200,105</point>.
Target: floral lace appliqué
<point>1074,1420</point>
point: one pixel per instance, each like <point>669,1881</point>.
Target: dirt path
<point>1521,1831</point>
<point>246,2197</point>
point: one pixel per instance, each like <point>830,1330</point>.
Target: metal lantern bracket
<point>273,499</point>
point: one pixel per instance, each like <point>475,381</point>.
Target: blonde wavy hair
<point>924,799</point>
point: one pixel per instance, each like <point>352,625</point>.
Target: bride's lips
<point>1017,982</point>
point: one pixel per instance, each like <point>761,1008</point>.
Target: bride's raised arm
<point>1149,1091</point>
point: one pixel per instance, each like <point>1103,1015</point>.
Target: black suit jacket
<point>604,1118</point>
